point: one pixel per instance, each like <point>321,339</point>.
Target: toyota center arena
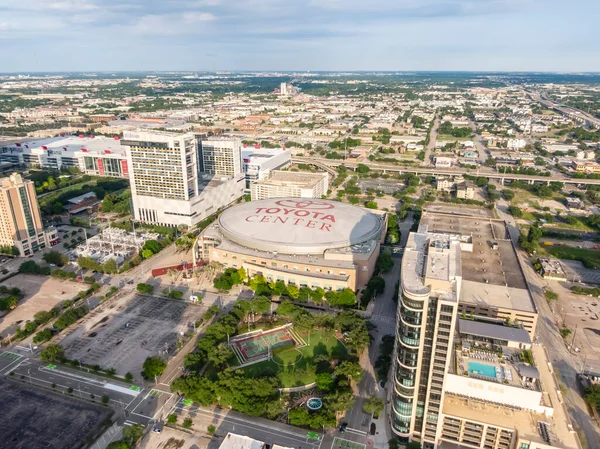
<point>303,242</point>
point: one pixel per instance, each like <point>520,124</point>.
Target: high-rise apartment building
<point>221,156</point>
<point>168,185</point>
<point>427,310</point>
<point>466,372</point>
<point>20,220</point>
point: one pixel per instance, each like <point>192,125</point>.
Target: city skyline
<point>135,35</point>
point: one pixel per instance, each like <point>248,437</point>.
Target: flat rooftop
<point>491,272</point>
<point>496,266</point>
<point>526,423</point>
<point>292,179</point>
<point>67,145</point>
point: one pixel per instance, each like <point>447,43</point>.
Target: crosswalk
<point>383,319</point>
<point>10,355</point>
<point>341,443</point>
<point>156,393</point>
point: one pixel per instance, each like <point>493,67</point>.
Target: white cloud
<point>70,5</point>
<point>193,17</point>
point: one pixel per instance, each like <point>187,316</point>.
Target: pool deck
<point>505,371</point>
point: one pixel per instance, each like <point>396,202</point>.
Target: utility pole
<point>574,334</point>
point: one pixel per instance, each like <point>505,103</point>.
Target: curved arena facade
<point>303,242</point>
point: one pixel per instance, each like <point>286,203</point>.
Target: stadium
<point>302,242</point>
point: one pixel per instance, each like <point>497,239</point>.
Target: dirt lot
<point>41,293</point>
<point>34,418</point>
<point>173,439</point>
<point>123,333</point>
<point>581,314</point>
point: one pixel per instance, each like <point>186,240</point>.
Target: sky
<point>209,35</point>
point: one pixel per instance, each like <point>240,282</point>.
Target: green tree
<point>133,433</point>
<point>153,367</point>
<point>324,381</point>
<point>187,423</point>
<point>172,418</point>
<point>145,288</point>
<point>53,353</point>
<point>350,370</point>
<point>373,405</point>
<point>211,429</point>
<point>128,377</point>
<point>371,205</point>
<point>384,262</point>
<point>260,305</point>
<point>362,168</point>
<point>592,395</point>
<point>110,266</point>
<point>56,258</point>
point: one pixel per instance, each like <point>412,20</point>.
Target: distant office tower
<point>279,184</point>
<point>283,89</point>
<point>221,156</point>
<point>167,186</point>
<point>20,219</point>
<point>431,278</point>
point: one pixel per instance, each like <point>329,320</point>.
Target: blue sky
<point>111,35</point>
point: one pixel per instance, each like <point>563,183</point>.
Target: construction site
<point>114,243</point>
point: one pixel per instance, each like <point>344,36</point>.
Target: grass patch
<point>522,196</point>
<point>589,257</point>
<point>295,367</point>
<point>578,226</point>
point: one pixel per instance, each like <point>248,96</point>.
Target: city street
<point>547,333</point>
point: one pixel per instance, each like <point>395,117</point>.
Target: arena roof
<point>299,226</point>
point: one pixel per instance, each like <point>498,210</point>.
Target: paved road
<point>482,171</point>
<point>432,139</point>
<point>548,335</point>
<point>478,142</point>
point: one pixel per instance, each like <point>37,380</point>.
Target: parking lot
<point>575,271</point>
<point>40,293</point>
<point>34,418</point>
<point>581,314</point>
<point>123,333</point>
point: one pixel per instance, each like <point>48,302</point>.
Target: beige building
<point>465,190</point>
<point>447,367</point>
<point>302,242</point>
<point>21,221</point>
<point>281,184</point>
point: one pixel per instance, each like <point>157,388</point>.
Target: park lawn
<point>591,256</point>
<point>294,371</point>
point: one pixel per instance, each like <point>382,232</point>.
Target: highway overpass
<point>330,164</point>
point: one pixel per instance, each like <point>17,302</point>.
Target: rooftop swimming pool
<point>483,369</point>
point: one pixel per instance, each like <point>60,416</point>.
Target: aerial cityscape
<point>269,238</point>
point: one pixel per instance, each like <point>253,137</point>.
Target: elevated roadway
<point>329,164</point>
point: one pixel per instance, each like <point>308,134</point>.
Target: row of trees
<point>232,276</point>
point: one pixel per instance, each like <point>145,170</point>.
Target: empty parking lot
<point>122,334</point>
<point>34,418</point>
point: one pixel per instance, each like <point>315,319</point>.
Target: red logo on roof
<point>306,204</point>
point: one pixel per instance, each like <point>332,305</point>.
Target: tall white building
<point>283,89</point>
<point>221,156</point>
<point>257,163</point>
<point>167,185</point>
